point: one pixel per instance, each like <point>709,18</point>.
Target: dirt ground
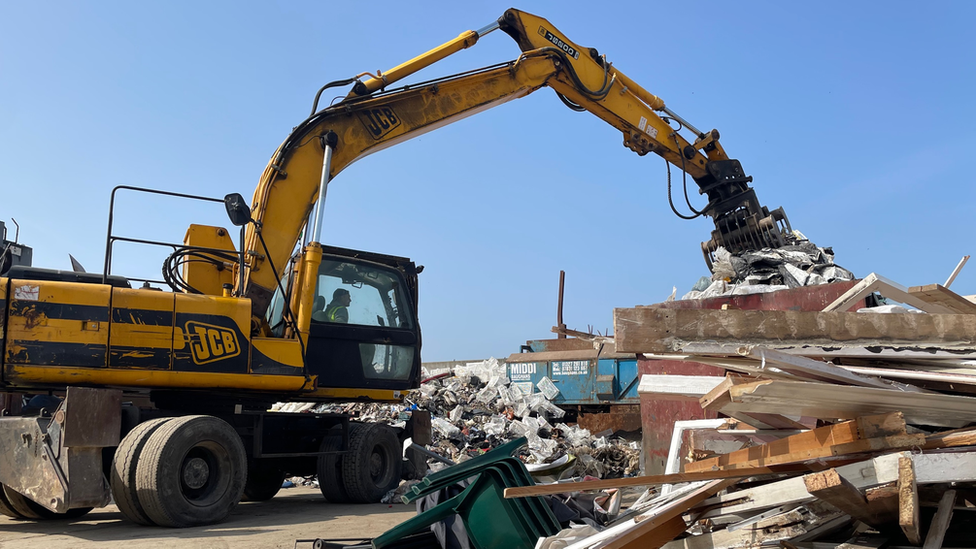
<point>294,514</point>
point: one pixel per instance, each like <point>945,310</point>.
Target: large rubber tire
<point>29,509</point>
<point>374,463</point>
<point>123,473</point>
<point>20,504</point>
<point>329,467</point>
<point>191,472</point>
<point>6,508</point>
<point>263,481</point>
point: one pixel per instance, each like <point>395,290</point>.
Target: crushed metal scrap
<point>798,263</point>
<point>476,408</point>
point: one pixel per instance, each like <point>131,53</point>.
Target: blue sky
<point>857,118</point>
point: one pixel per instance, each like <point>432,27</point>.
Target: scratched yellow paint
<point>144,321</point>
<point>31,326</point>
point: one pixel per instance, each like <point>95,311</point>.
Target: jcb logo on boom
<point>211,343</point>
<point>379,120</point>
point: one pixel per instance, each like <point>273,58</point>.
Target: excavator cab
<point>364,331</point>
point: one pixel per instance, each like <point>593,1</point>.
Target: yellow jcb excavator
<point>165,393</point>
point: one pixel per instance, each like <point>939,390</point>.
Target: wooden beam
<point>644,526</point>
<point>908,507</point>
<point>940,522</point>
<point>828,401</point>
<point>951,439</point>
<point>650,480</point>
<point>828,441</point>
<point>888,288</point>
<point>940,295</point>
<point>656,330</point>
<point>883,503</point>
<point>661,535</point>
<point>764,532</point>
<point>935,468</point>
<point>832,488</point>
<point>915,375</point>
<point>718,396</point>
<point>818,370</point>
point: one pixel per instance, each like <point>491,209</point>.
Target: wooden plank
<point>818,443</point>
<point>784,526</point>
<point>832,488</point>
<point>770,420</point>
<point>933,355</point>
<point>883,502</point>
<point>677,387</point>
<point>660,536</point>
<point>655,330</point>
<point>828,401</point>
<point>951,439</point>
<point>915,375</point>
<point>732,363</point>
<point>940,522</point>
<point>937,468</point>
<point>908,508</point>
<point>940,295</point>
<point>888,288</point>
<point>649,480</point>
<point>816,369</point>
<point>644,526</point>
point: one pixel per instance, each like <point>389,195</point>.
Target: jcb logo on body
<point>379,120</point>
<point>210,343</point>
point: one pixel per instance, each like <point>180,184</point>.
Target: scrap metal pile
<point>799,263</point>
<point>475,408</point>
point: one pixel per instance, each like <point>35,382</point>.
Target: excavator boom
<point>370,119</point>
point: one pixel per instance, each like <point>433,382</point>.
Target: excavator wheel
<point>24,507</point>
<point>374,463</point>
<point>123,472</point>
<point>19,504</point>
<point>6,508</point>
<point>329,469</point>
<point>263,481</point>
<point>191,472</point>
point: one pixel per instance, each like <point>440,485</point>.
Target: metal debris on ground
<point>476,408</point>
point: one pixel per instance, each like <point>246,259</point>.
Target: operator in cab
<point>338,308</point>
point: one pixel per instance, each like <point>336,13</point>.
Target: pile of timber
<point>836,428</point>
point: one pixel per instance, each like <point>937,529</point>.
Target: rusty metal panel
<point>57,324</point>
<point>621,417</point>
<point>658,416</point>
<point>91,417</point>
<point>142,329</point>
<point>57,461</point>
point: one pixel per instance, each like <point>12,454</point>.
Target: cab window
<point>360,294</point>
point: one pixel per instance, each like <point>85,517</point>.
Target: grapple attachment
<point>741,222</point>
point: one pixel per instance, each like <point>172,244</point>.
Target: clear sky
<point>857,117</point>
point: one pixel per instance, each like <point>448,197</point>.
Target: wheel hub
<point>377,465</point>
<point>195,473</point>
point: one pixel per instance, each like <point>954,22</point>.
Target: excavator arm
<point>372,117</point>
<point>289,187</point>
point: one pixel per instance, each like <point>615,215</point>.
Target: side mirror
<point>237,209</point>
